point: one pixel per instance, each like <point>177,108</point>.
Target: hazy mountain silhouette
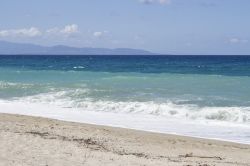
<point>9,48</point>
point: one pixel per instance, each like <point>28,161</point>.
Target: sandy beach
<point>37,141</point>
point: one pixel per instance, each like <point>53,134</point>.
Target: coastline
<point>150,123</point>
<point>30,140</point>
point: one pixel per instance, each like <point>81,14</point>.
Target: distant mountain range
<point>9,48</point>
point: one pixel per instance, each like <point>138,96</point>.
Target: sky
<point>197,27</point>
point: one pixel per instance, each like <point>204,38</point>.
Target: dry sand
<point>26,141</point>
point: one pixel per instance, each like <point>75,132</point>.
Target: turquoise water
<point>189,87</point>
<point>176,90</point>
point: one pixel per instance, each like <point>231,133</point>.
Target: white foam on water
<point>221,130</point>
<point>73,99</point>
<point>79,67</point>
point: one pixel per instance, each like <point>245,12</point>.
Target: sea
<point>198,96</point>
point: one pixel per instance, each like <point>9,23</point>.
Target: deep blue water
<point>214,65</point>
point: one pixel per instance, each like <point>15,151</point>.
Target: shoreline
<point>37,140</point>
<point>127,128</point>
<point>157,124</point>
<point>134,129</point>
<point>148,123</point>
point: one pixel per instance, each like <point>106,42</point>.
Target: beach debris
<point>188,155</point>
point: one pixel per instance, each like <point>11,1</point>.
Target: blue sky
<point>162,26</point>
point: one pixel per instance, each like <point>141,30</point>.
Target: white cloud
<point>99,34</point>
<point>67,31</point>
<point>237,40</point>
<point>70,29</point>
<point>25,32</point>
<point>4,33</point>
<point>155,1</point>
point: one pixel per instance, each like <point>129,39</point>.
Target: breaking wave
<point>78,99</point>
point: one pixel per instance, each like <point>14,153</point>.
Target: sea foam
<point>78,100</point>
<point>215,130</point>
